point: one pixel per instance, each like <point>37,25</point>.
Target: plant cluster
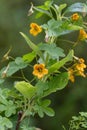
<point>51,67</point>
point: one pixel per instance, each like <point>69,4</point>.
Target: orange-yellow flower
<point>80,67</point>
<point>40,70</point>
<point>77,69</point>
<point>82,35</point>
<point>71,75</point>
<point>75,17</point>
<point>81,60</point>
<point>35,29</point>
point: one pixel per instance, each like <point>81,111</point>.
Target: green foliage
<point>42,107</point>
<point>12,68</point>
<point>29,57</point>
<point>53,51</point>
<point>60,63</point>
<point>77,7</point>
<point>43,9</point>
<point>58,27</point>
<point>79,122</point>
<point>5,123</point>
<point>26,89</point>
<point>32,45</point>
<point>6,105</point>
<point>57,83</point>
<point>50,72</point>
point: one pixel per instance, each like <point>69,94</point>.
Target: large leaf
<point>58,27</point>
<point>29,57</point>
<point>52,26</point>
<point>13,67</point>
<point>26,89</point>
<point>77,7</point>
<point>60,63</point>
<point>16,65</point>
<point>57,83</point>
<point>54,51</point>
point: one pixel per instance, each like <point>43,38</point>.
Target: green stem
<point>67,41</point>
<point>24,76</point>
<point>32,79</point>
<point>47,59</point>
<point>76,43</point>
<point>54,11</point>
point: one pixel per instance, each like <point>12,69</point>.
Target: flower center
<point>35,28</point>
<point>39,69</point>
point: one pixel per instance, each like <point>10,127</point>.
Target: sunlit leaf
<point>26,89</point>
<point>29,57</point>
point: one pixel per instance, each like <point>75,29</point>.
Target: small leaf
<point>2,108</point>
<point>43,9</point>
<point>46,102</point>
<point>83,114</point>
<point>26,89</point>
<point>46,5</point>
<point>49,111</point>
<point>10,109</point>
<point>5,123</point>
<point>61,7</point>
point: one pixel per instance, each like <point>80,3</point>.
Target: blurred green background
<point>14,19</point>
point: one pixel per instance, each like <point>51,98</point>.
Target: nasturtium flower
<point>40,70</point>
<point>75,17</point>
<point>82,35</point>
<point>35,29</point>
<point>71,75</point>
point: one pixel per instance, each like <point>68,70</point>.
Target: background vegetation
<point>66,103</point>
